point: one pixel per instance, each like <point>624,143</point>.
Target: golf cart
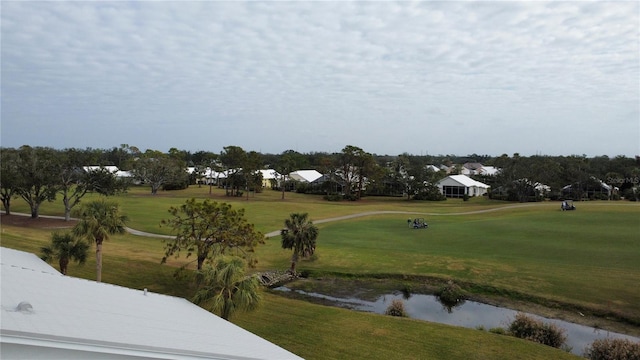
<point>567,205</point>
<point>418,223</point>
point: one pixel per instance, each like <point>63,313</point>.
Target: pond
<point>467,314</point>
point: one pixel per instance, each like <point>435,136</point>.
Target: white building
<point>460,185</point>
<point>269,175</point>
<point>305,175</point>
<point>112,169</point>
<point>46,315</point>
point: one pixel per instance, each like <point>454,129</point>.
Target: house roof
<point>110,168</point>
<point>602,185</point>
<point>489,170</point>
<point>305,175</point>
<point>48,315</point>
<point>464,181</point>
<point>269,174</point>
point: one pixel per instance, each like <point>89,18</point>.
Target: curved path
<point>338,218</point>
<point>382,212</point>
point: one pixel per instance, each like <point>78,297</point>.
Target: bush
<point>526,327</point>
<point>351,197</point>
<point>178,185</point>
<point>450,296</point>
<point>406,290</point>
<point>396,308</point>
<point>632,194</point>
<point>303,188</point>
<point>450,293</point>
<point>333,197</point>
<point>613,349</point>
<point>430,196</point>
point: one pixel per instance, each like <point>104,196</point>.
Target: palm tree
<point>300,235</point>
<point>65,247</point>
<point>98,220</point>
<point>226,288</point>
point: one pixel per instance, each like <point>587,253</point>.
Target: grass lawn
<point>309,330</point>
<point>586,258</point>
<point>322,332</point>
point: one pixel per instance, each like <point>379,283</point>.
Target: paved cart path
<point>337,218</point>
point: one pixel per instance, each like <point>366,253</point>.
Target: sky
<point>437,77</point>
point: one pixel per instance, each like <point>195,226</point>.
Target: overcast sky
<point>449,77</point>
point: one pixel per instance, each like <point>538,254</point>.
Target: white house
<point>460,185</point>
<point>489,170</point>
<point>596,186</point>
<point>305,175</point>
<point>112,169</point>
<point>46,315</point>
<point>478,169</point>
<point>211,176</point>
<point>268,175</point>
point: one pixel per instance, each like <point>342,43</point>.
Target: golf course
<point>581,265</point>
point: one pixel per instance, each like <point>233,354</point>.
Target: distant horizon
<point>330,152</point>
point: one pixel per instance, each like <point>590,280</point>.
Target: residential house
<point>121,174</point>
<point>593,188</point>
<point>478,169</point>
<point>307,176</point>
<point>460,185</point>
<point>270,178</point>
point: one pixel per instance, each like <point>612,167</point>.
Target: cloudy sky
<point>446,77</point>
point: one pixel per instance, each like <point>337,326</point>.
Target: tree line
<point>39,174</point>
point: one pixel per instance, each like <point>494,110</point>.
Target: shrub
<point>177,185</point>
<point>632,194</point>
<point>528,328</point>
<point>406,290</point>
<point>303,188</point>
<point>430,196</point>
<point>396,308</point>
<point>450,296</point>
<point>613,349</point>
<point>450,293</point>
<point>351,197</point>
<point>333,197</point>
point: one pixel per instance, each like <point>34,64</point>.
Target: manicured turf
<point>321,332</point>
<point>588,258</point>
<point>311,331</point>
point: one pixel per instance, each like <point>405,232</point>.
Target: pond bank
<point>370,289</point>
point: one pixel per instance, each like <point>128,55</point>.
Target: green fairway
<point>312,331</point>
<point>586,258</point>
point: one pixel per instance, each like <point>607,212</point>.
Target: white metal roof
<point>68,317</point>
<point>110,168</point>
<point>305,175</point>
<point>464,181</point>
<point>268,174</point>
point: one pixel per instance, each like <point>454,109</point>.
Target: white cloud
<point>202,75</point>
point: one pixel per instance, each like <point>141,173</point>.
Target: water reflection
<point>469,314</point>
